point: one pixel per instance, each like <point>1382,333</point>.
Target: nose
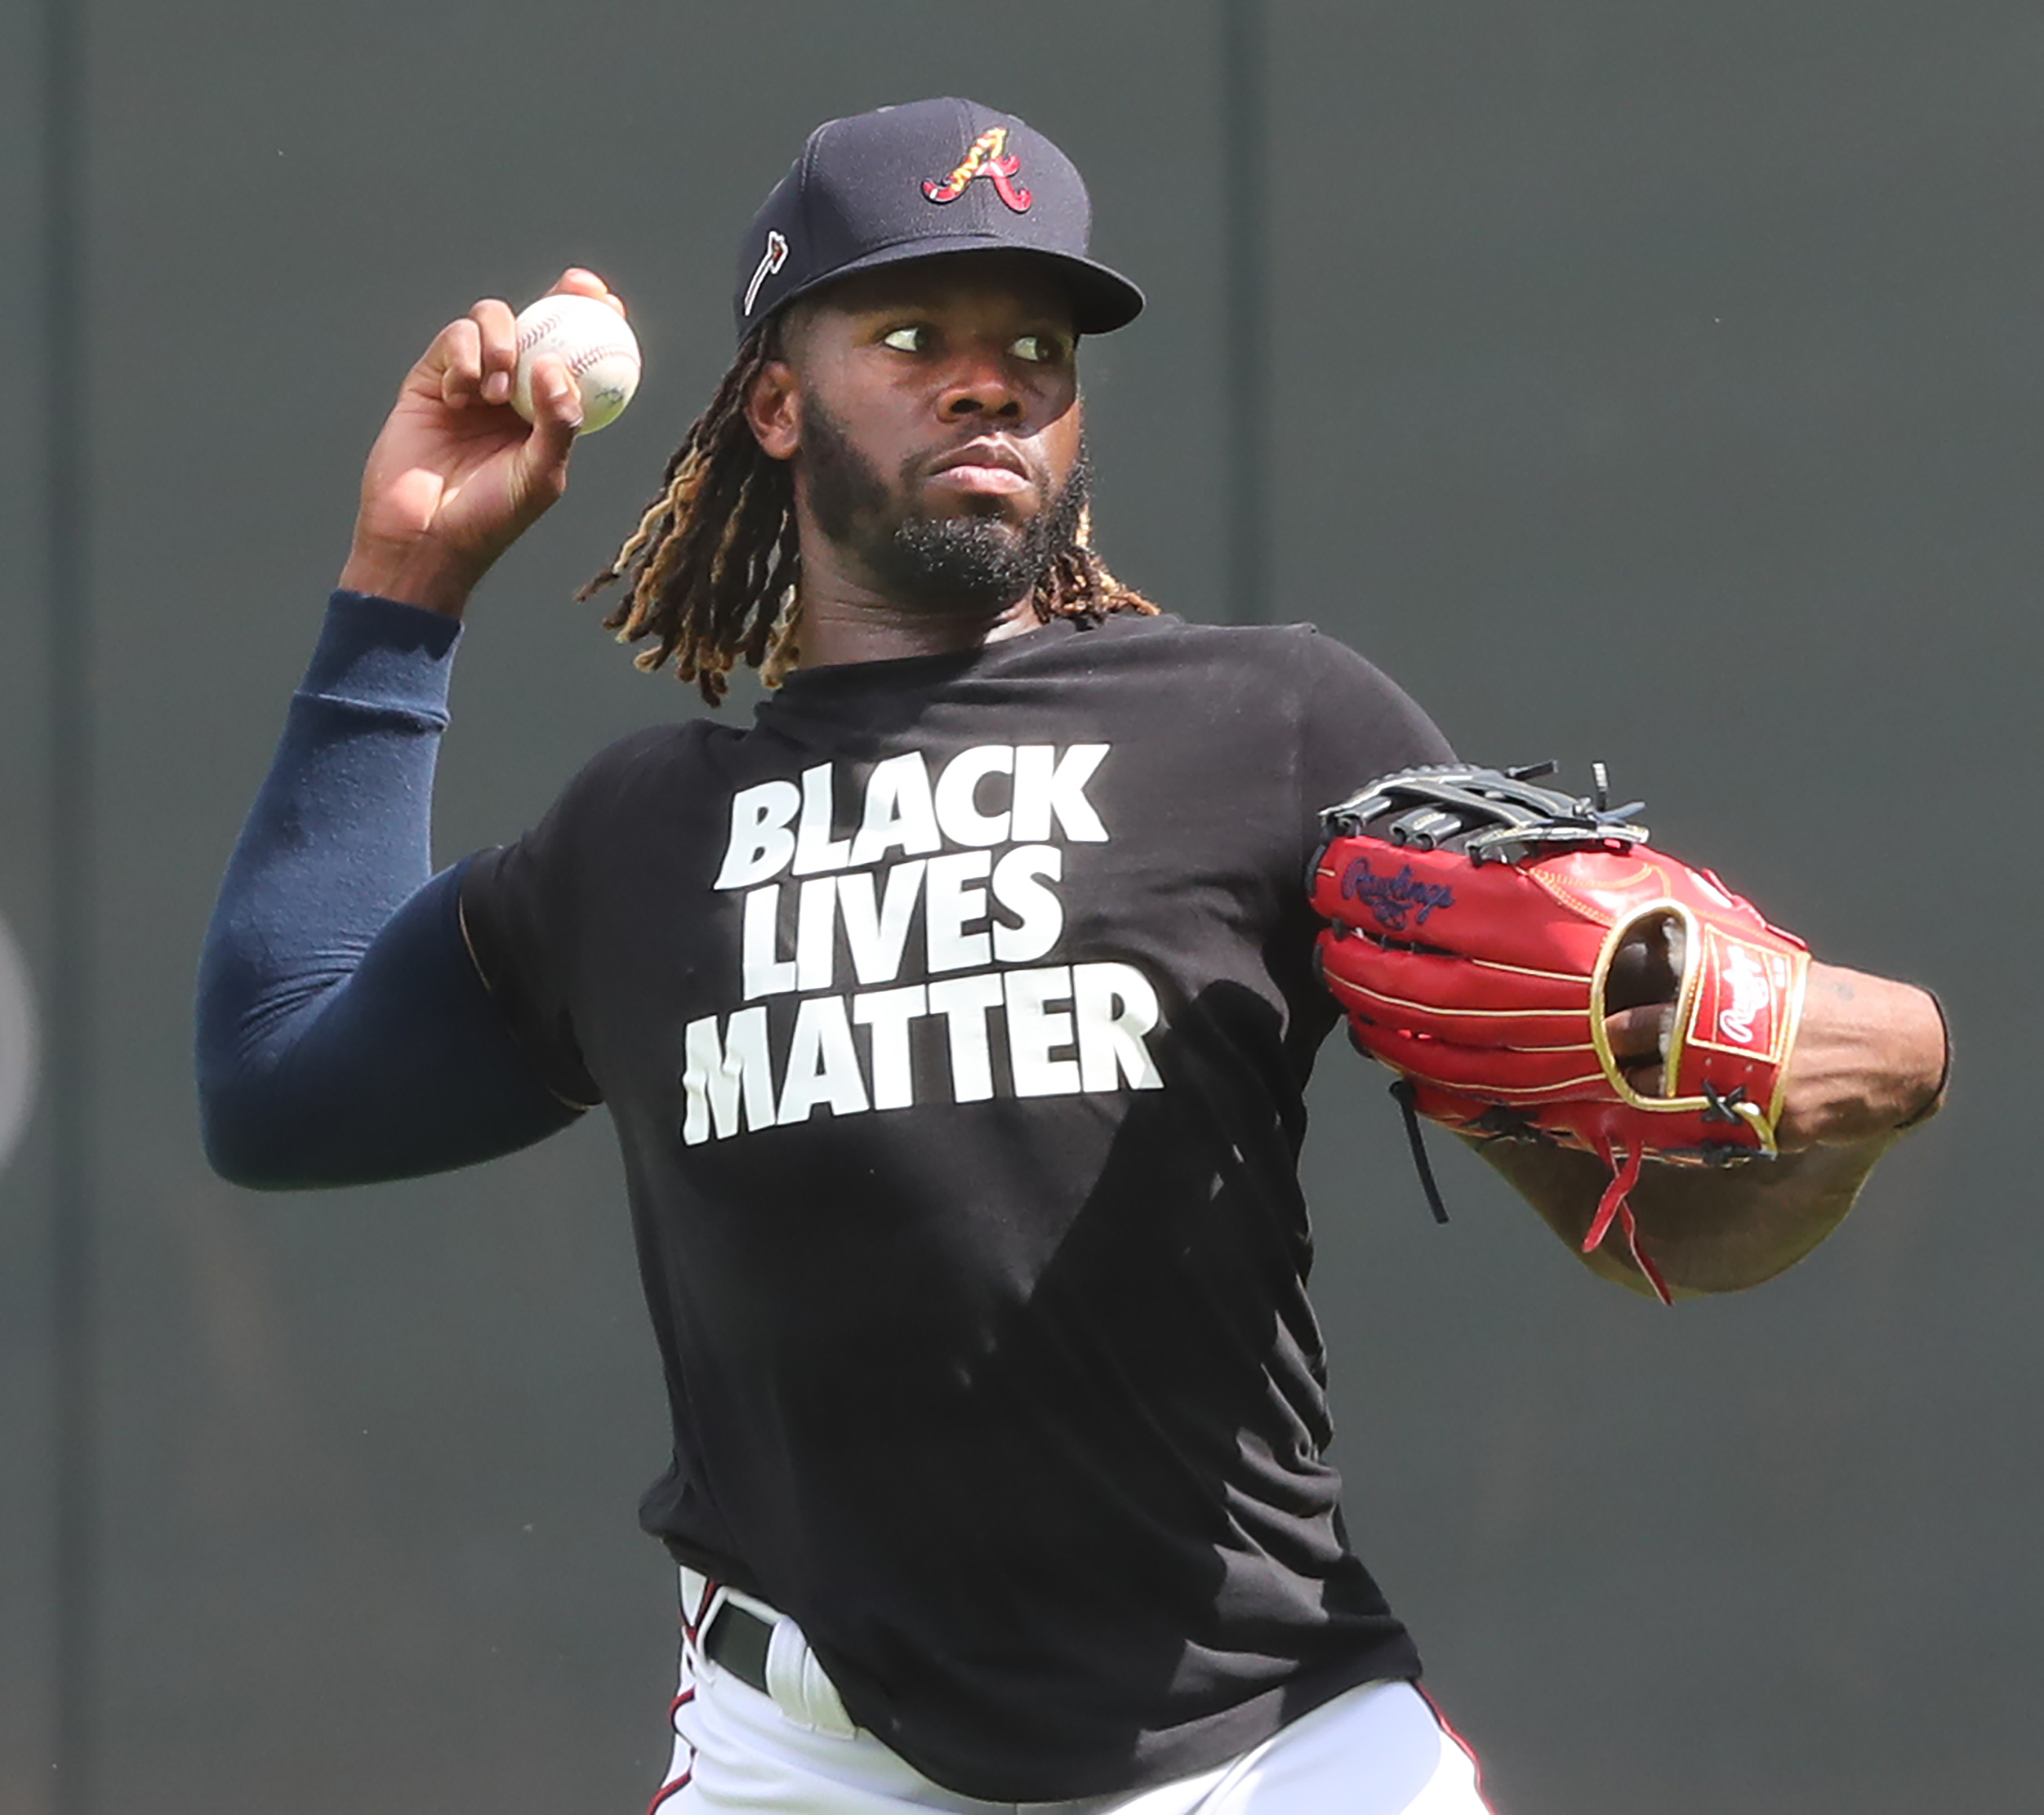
<point>980,382</point>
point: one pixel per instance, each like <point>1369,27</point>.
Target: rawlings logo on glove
<point>1481,932</point>
<point>1391,899</point>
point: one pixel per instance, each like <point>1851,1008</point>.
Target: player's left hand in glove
<point>1484,931</point>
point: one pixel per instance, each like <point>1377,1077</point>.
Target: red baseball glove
<point>1482,930</point>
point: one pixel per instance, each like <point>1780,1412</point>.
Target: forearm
<point>340,832</point>
<point>344,1034</point>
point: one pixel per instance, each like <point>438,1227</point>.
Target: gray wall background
<point>1647,382</point>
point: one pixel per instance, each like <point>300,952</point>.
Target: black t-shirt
<point>954,1020</point>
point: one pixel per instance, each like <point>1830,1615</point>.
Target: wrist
<point>1930,1103</point>
<point>1869,1059</point>
<point>417,574</point>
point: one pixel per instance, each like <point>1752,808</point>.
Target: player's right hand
<point>457,475</point>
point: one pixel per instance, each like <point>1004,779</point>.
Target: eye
<point>1040,349</point>
<point>914,340</point>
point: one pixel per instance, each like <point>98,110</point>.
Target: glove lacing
<point>1615,1205</point>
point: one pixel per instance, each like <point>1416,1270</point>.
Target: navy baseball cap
<point>917,181</point>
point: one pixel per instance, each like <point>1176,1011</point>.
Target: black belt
<point>736,1641</point>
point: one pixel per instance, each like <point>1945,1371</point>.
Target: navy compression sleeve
<point>344,1035</point>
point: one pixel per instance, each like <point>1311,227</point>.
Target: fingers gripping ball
<point>1481,930</point>
<point>592,340</point>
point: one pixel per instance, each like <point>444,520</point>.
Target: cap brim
<point>1102,300</point>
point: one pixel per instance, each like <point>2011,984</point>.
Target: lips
<point>990,465</point>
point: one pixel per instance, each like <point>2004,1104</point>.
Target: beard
<point>976,562</point>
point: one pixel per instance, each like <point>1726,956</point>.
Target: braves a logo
<point>990,158</point>
<point>1392,899</point>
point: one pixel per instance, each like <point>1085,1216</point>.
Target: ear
<point>774,410</point>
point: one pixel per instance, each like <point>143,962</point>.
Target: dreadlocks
<point>713,567</point>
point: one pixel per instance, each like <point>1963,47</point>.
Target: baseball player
<point>954,1018</point>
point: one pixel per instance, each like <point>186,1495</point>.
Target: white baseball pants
<point>1377,1750</point>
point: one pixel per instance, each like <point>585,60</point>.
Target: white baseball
<point>590,339</point>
